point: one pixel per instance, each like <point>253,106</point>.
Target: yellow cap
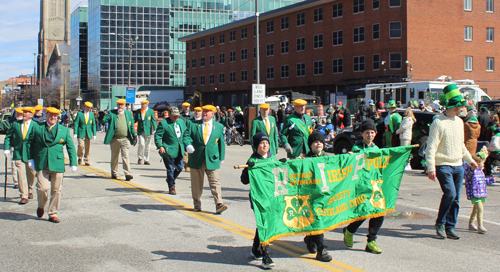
<point>88,104</point>
<point>186,104</point>
<point>144,102</point>
<point>38,107</point>
<point>198,109</point>
<point>209,107</point>
<point>53,110</point>
<point>29,109</point>
<point>299,102</point>
<point>19,110</point>
<point>121,101</point>
<point>264,106</point>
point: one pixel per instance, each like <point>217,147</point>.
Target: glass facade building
<point>79,27</point>
<point>158,58</point>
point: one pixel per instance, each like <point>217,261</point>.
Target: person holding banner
<point>146,127</point>
<point>296,130</point>
<point>84,131</point>
<point>266,124</point>
<point>368,131</point>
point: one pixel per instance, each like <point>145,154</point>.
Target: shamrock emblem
<point>298,213</point>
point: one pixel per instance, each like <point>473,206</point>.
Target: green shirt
<point>121,126</point>
<point>361,146</point>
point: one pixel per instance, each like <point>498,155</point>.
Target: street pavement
<point>114,225</point>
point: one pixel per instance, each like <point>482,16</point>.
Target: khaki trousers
<point>144,146</point>
<point>14,169</point>
<point>26,177</point>
<point>48,180</point>
<point>117,146</point>
<point>185,159</point>
<point>84,142</point>
<point>197,176</point>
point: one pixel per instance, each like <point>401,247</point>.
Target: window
<point>301,69</point>
<point>244,54</point>
<point>212,60</point>
<point>359,63</point>
<point>337,10</point>
<point>270,49</point>
<point>254,31</point>
<point>222,78</point>
<point>244,76</point>
<point>193,80</point>
<point>270,73</point>
<point>395,61</point>
<point>318,41</point>
<point>187,46</point>
<point>222,38</point>
<point>376,4</point>
<point>232,77</point>
<point>338,38</point>
<point>187,81</point>
<point>490,5</point>
<point>395,30</point>
<point>222,58</point>
<point>318,15</point>
<point>376,62</point>
<point>202,43</point>
<point>254,75</point>
<point>244,33</point>
<point>468,5</point>
<point>202,62</point>
<point>232,35</point>
<point>212,41</point>
<point>490,64</point>
<point>285,71</point>
<point>270,26</point>
<point>468,33</point>
<point>468,64</point>
<point>338,66</point>
<point>358,6</point>
<point>376,31</point>
<point>255,52</point>
<point>193,46</point>
<point>212,79</point>
<point>359,34</point>
<point>285,47</point>
<point>202,80</point>
<point>232,56</point>
<point>318,68</point>
<point>193,65</point>
<point>187,64</point>
<point>284,23</point>
<point>301,44</point>
<point>394,3</point>
<point>301,19</point>
<point>489,34</point>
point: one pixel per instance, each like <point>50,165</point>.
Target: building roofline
<point>263,16</point>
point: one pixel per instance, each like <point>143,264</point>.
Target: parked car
<point>346,138</point>
<point>489,104</point>
<point>4,123</point>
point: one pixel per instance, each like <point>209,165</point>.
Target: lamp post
<point>131,43</point>
<point>79,98</point>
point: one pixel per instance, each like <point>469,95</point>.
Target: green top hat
<point>454,97</point>
<point>392,104</point>
<point>472,119</point>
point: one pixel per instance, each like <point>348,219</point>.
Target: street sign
<point>79,98</point>
<point>130,95</point>
<point>40,102</point>
<point>258,94</point>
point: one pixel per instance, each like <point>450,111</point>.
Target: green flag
<point>314,195</point>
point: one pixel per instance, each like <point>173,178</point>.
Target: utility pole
<point>257,40</point>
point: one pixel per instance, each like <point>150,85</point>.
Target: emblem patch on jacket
<point>149,118</point>
<point>61,141</point>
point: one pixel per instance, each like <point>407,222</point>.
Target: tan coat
<point>472,130</point>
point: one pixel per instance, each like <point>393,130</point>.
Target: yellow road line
<point>245,232</point>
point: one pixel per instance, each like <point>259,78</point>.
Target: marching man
<point>47,158</point>
<point>267,124</point>
<point>146,127</point>
<point>84,130</point>
<point>296,130</point>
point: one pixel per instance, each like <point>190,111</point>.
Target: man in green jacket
<point>394,123</point>
<point>168,139</point>
<point>267,124</point>
<point>19,135</point>
<point>47,158</point>
<point>204,141</point>
<point>84,129</point>
<point>119,136</point>
<point>146,127</point>
<point>296,130</point>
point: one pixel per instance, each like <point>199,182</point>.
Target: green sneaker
<point>348,238</point>
<point>373,248</point>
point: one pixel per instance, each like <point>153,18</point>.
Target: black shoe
<point>267,262</point>
<point>257,254</point>
<point>128,177</point>
<point>451,234</point>
<point>114,177</point>
<point>323,255</point>
<point>310,245</point>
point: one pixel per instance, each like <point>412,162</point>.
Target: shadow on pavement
<point>16,216</point>
<point>414,231</point>
<point>157,207</point>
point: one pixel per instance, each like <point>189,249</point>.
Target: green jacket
<point>14,138</point>
<point>211,153</point>
<point>296,133</point>
<point>258,125</point>
<point>144,126</point>
<point>111,118</point>
<point>81,129</point>
<point>52,154</point>
<point>395,121</point>
<point>165,136</point>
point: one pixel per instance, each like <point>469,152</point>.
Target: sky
<point>19,27</point>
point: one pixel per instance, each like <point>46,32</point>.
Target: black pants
<point>256,243</point>
<point>493,157</point>
<point>373,227</point>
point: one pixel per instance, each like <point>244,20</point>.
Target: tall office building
<point>152,28</point>
<point>79,30</point>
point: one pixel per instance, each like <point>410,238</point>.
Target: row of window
<point>490,5</point>
<point>490,34</point>
<point>490,64</point>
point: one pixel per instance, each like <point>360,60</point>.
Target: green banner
<point>314,195</point>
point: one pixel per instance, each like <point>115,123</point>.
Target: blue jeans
<point>450,179</point>
<point>172,173</point>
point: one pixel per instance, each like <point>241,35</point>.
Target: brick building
<point>326,46</point>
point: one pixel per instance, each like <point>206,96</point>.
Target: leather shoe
<point>128,177</point>
<point>171,190</point>
<point>87,164</point>
<point>220,208</point>
<point>187,169</point>
<point>139,161</point>
<point>16,186</point>
<point>114,177</point>
<point>23,201</point>
<point>79,161</point>
<point>54,219</point>
<point>147,163</point>
<point>39,212</point>
<point>30,196</point>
